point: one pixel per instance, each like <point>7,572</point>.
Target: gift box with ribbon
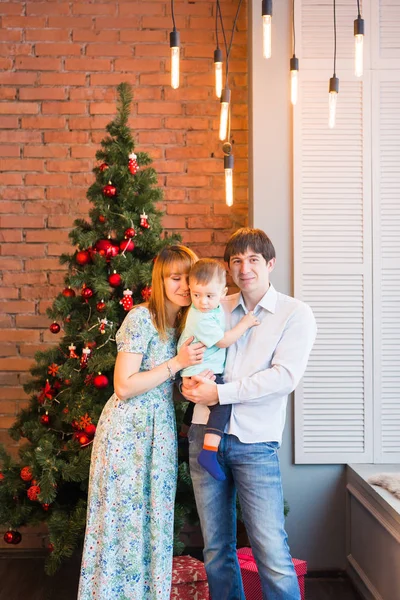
<point>251,578</point>
<point>189,579</point>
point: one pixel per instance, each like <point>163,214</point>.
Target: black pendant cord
<point>334,38</point>
<point>228,48</point>
<point>173,15</point>
<point>222,26</point>
<point>216,22</point>
<point>294,31</point>
<point>358,9</point>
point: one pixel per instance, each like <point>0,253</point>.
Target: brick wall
<point>59,65</point>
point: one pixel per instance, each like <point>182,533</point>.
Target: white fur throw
<point>389,481</point>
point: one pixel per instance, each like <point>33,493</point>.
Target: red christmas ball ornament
<point>50,547</point>
<point>146,293</point>
<point>130,232</point>
<point>33,492</point>
<point>1,476</point>
<point>115,279</point>
<point>46,507</point>
<point>75,424</point>
<point>107,248</point>
<point>132,164</point>
<point>83,439</point>
<point>101,306</point>
<point>109,190</point>
<point>87,293</point>
<point>82,257</point>
<point>103,167</point>
<point>127,246</point>
<point>68,292</point>
<point>12,537</point>
<point>67,382</point>
<point>45,419</point>
<point>102,219</point>
<point>90,429</point>
<point>26,474</point>
<point>66,410</point>
<point>54,327</point>
<point>100,381</point>
<point>91,344</point>
<point>127,300</point>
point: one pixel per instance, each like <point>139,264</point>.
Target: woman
<point>129,531</point>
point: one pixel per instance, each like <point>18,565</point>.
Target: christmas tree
<point>108,274</point>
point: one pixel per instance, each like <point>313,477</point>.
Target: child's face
<point>208,296</point>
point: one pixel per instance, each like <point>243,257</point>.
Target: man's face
<point>250,271</point>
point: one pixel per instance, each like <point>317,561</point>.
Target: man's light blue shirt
<point>208,328</point>
<point>264,365</point>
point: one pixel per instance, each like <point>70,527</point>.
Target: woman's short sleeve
<point>135,332</point>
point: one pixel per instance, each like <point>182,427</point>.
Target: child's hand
<point>250,320</point>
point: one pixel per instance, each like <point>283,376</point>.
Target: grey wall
<point>315,493</point>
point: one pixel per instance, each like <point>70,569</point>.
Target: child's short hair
<point>207,269</point>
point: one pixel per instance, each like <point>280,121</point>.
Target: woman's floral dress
<point>129,531</point>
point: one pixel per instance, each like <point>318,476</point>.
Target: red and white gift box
<point>251,578</point>
<point>189,579</point>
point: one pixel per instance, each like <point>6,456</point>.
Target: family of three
<point>239,357</point>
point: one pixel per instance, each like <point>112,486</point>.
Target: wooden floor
<point>24,579</point>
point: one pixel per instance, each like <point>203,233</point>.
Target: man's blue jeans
<point>253,470</point>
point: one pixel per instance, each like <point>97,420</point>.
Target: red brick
<point>22,250</point>
<point>157,108</point>
<point>62,78</point>
<point>199,152</point>
<point>143,7</point>
<point>162,23</point>
<point>112,78</point>
<point>83,151</point>
<point>12,35</point>
<point>66,137</point>
<point>17,306</point>
<point>47,8</point>
<point>20,136</point>
<point>188,209</point>
<point>24,278</point>
<point>9,293</point>
<point>58,49</point>
<point>7,350</point>
<point>102,23</point>
<point>73,22</point>
<point>57,250</point>
<point>190,237</point>
<point>23,164</point>
<point>47,179</point>
<point>10,235</point>
<point>109,50</point>
<point>14,364</point>
<point>168,166</point>
<point>138,65</point>
<point>8,93</point>
<point>11,208</point>
<point>9,151</point>
<point>147,123</point>
<point>46,264</point>
<point>46,151</point>
<point>23,22</point>
<point>10,264</point>
<point>174,222</point>
<point>29,222</point>
<point>15,49</point>
<point>61,221</point>
<point>87,64</point>
<point>87,35</point>
<point>32,322</point>
<point>143,35</point>
<point>8,407</point>
<point>22,193</point>
<point>209,222</point>
<point>8,123</point>
<point>187,181</point>
<point>103,94</point>
<point>43,122</point>
<point>174,194</point>
<point>158,79</point>
<point>84,8</point>
<point>37,292</point>
<point>211,165</point>
<point>183,94</point>
<point>31,63</point>
<point>89,123</point>
<point>185,123</point>
<point>101,108</point>
<point>46,35</point>
<point>160,137</point>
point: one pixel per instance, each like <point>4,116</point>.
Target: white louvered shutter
<point>386,209</point>
<point>332,243</point>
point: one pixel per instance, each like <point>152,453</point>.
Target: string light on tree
<point>359,43</point>
<point>266,10</point>
<point>174,44</point>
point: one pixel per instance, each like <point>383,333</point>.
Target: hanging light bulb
<point>333,92</point>
<point>267,23</point>
<point>228,168</point>
<point>294,79</point>
<point>359,45</point>
<point>224,116</point>
<point>174,44</point>
<point>218,71</point>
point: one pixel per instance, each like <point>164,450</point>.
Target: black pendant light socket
<point>174,39</point>
<point>294,63</point>
<point>334,84</point>
<point>359,26</point>
<point>218,55</point>
<point>266,8</point>
<point>228,161</point>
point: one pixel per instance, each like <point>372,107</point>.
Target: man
<point>262,368</point>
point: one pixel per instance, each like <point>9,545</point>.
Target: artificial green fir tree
<point>109,272</point>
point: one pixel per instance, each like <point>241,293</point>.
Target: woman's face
<point>177,286</point>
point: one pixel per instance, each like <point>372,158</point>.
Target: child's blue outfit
<point>207,328</point>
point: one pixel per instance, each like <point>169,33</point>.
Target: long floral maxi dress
<point>129,532</point>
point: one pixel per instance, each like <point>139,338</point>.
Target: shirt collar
<point>268,301</point>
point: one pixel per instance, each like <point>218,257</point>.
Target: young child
<point>206,322</point>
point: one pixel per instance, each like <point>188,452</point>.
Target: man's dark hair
<point>245,239</point>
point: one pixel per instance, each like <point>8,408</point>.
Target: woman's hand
<point>190,354</point>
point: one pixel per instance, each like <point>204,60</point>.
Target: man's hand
<point>200,389</point>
